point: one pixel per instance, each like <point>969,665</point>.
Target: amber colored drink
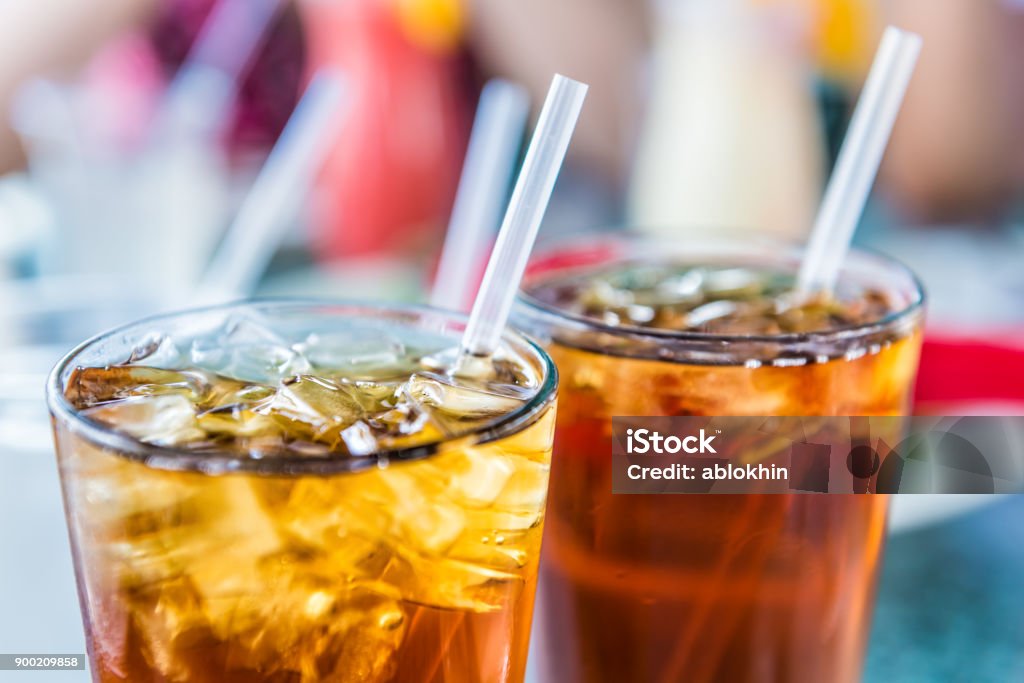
<point>299,493</point>
<point>695,588</point>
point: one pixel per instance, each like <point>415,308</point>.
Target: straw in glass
<point>525,212</point>
<point>486,174</point>
<point>859,159</point>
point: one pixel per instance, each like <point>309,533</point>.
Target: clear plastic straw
<point>274,198</point>
<point>859,159</point>
<point>202,91</point>
<point>523,218</point>
<point>490,159</point>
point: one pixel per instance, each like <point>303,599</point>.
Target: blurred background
<point>136,175</point>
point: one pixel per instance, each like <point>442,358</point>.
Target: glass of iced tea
<point>301,492</point>
<point>670,588</point>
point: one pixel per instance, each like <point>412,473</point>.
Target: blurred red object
<point>977,369</point>
<point>389,183</point>
<point>270,85</point>
<point>572,256</point>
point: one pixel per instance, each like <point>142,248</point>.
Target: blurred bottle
<point>389,183</point>
<point>845,36</point>
<point>732,141</point>
<point>846,33</point>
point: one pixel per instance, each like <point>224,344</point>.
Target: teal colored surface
<point>951,602</point>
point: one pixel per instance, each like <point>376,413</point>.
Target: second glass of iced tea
<point>671,588</point>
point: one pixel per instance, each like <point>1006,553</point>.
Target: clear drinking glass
<point>698,588</point>
<point>406,563</point>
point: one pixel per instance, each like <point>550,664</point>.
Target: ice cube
<point>425,518</point>
<point>164,621</point>
<point>162,419</point>
<point>248,350</point>
<point>601,294</point>
<point>233,529</point>
<point>224,393</point>
<point>314,407</point>
<point>320,510</point>
<point>359,439</point>
<point>527,487</point>
<point>454,584</point>
<point>316,627</point>
<point>307,449</point>
<point>400,526</point>
<point>706,313</point>
<point>678,288</point>
<point>501,372</point>
<point>404,419</point>
<point>507,520</point>
<point>146,561</point>
<point>351,351</point>
<point>732,283</point>
<point>259,363</point>
<point>453,403</point>
<point>251,328</point>
<point>238,421</point>
<point>476,476</point>
<point>640,314</point>
<point>447,360</point>
<point>211,531</point>
<point>128,506</point>
<point>157,350</point>
<point>494,548</point>
<point>363,635</point>
<point>90,386</point>
<point>533,443</point>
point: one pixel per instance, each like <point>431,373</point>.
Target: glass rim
<point>748,246</point>
<point>181,459</point>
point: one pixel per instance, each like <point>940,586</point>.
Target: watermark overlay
<point>889,454</point>
<point>29,662</point>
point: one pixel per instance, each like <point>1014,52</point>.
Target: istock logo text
<point>643,441</point>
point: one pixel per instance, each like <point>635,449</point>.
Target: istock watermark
<point>852,454</point>
<point>647,441</point>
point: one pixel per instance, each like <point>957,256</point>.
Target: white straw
<point>203,88</point>
<point>274,198</point>
<point>859,159</point>
<point>486,173</point>
<point>522,220</point>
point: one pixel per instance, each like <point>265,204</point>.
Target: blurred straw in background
<point>486,174</point>
<point>274,200</point>
<point>199,98</point>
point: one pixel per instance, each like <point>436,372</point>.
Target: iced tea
<point>731,588</point>
<point>299,493</point>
